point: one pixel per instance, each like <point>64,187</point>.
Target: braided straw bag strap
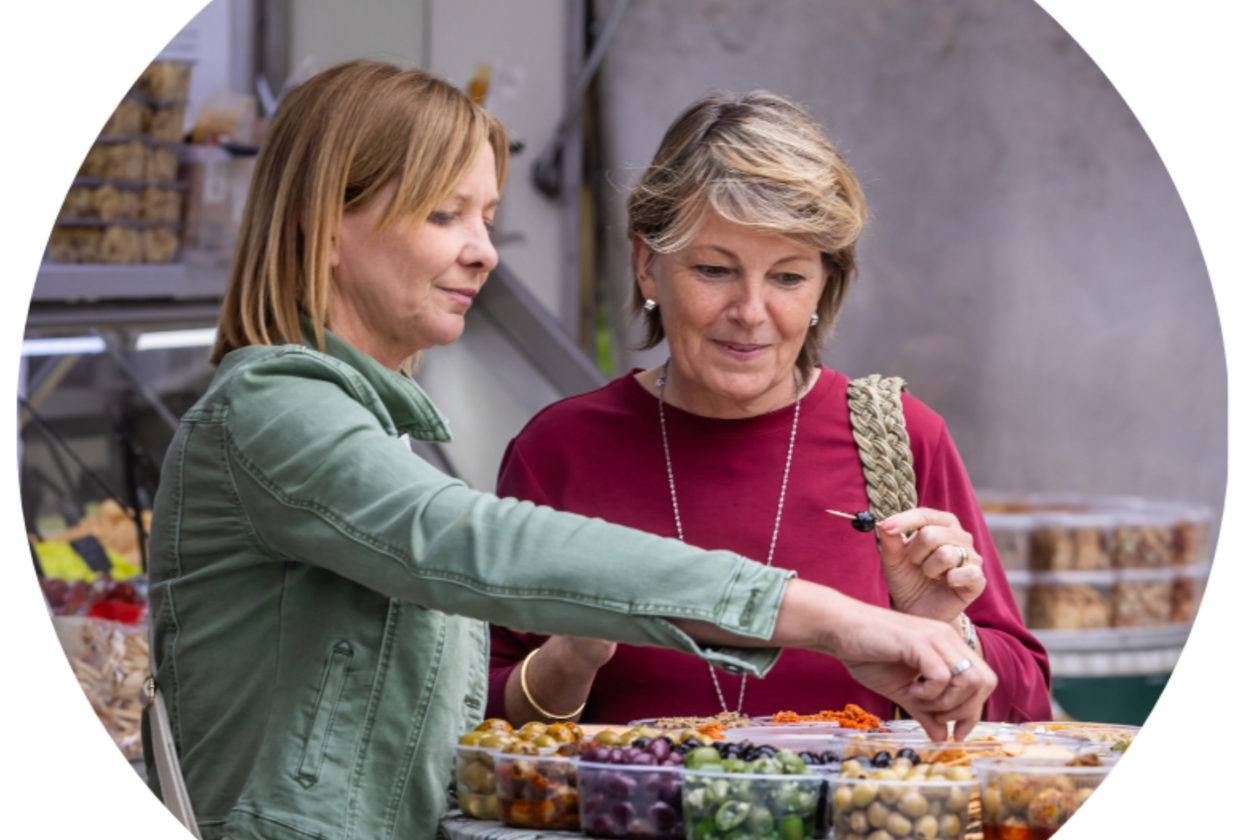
<point>883,443</point>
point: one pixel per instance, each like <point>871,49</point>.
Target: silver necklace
<point>679,527</point>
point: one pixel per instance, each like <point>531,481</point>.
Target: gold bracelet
<point>523,683</point>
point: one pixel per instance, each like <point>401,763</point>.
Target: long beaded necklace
<point>679,528</point>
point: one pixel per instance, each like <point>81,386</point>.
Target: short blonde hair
<point>760,161</point>
<point>335,142</point>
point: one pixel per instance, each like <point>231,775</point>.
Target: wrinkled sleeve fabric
<point>320,479</point>
<point>1018,659</point>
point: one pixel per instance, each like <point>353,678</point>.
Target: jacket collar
<point>410,408</point>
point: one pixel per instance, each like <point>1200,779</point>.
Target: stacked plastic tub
<point>1092,563</point>
<point>125,205</point>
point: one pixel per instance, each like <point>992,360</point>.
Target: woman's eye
<point>712,271</point>
<point>790,279</point>
<point>440,217</point>
<point>491,227</point>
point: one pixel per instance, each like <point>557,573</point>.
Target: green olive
<point>960,774</point>
<point>949,825</point>
<point>902,766</point>
<point>496,740</point>
<point>927,828</point>
<point>913,805</point>
<point>473,738</point>
<point>890,794</point>
<point>852,765</point>
<point>899,825</point>
<point>842,799</point>
<point>545,740</point>
<point>859,822</point>
<point>935,809</point>
<point>529,731</point>
<point>881,834</point>
<point>878,813</point>
<point>495,724</point>
<point>864,794</point>
<point>957,799</point>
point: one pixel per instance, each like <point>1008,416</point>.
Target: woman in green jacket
<point>319,593</point>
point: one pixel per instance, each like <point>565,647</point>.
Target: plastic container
<point>103,201</point>
<point>126,119</point>
<point>964,753</point>
<point>1143,597</point>
<point>1188,586</point>
<point>538,791</point>
<point>1144,538</point>
<point>1020,581</point>
<point>1025,799</point>
<point>1071,541</point>
<point>1105,738</point>
<point>119,159</point>
<point>985,729</point>
<point>166,80</point>
<point>918,809</point>
<point>476,782</point>
<point>1191,536</point>
<point>1070,600</point>
<point>1011,533</point>
<point>159,244</point>
<point>115,244</point>
<point>161,164</point>
<point>165,122</point>
<point>618,800</point>
<point>744,806</point>
<point>161,204</point>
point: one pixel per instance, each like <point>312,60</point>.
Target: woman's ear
<point>642,258</point>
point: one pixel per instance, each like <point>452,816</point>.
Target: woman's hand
<point>924,572</point>
<point>560,677</point>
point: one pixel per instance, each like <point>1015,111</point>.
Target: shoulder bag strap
<point>883,443</point>
<point>168,769</point>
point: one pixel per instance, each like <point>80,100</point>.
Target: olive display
<point>538,792</point>
<point>773,797</point>
<point>474,764</point>
<point>886,797</point>
<point>476,782</point>
<point>633,791</point>
<point>1026,800</point>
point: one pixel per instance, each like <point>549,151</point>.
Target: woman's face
<point>407,288</point>
<point>736,305</point>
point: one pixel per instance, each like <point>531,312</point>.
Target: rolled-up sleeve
<point>320,479</point>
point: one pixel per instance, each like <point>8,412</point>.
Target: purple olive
<point>620,785</point>
<point>630,753</point>
<point>597,755</point>
<point>623,812</point>
<point>644,759</point>
<point>603,825</point>
<point>660,748</point>
<point>674,760</point>
<point>663,815</point>
<point>616,755</point>
<point>671,791</point>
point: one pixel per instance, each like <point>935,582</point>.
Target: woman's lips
<point>741,350</point>
<point>462,296</point>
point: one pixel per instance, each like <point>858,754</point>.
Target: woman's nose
<point>479,252</point>
<point>750,307</point>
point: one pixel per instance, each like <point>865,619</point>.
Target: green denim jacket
<point>319,597</point>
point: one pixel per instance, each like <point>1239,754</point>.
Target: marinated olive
<point>495,724</point>
<point>899,825</point>
<point>531,730</point>
<point>913,805</point>
<point>926,828</point>
<point>479,777</point>
<point>495,740</point>
<point>608,737</point>
<point>863,795</point>
<point>473,738</point>
<point>878,813</point>
<point>1048,809</point>
<point>1016,791</point>
<point>545,741</point>
<point>842,799</point>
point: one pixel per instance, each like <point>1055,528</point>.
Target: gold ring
<point>964,556</point>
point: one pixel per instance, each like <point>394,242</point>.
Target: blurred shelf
<point>1114,653</point>
<point>93,283</point>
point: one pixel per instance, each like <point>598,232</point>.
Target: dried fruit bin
<point>1070,600</point>
<point>538,791</point>
<point>1188,586</point>
<point>1026,799</point>
<point>1143,597</point>
<point>1072,541</point>
<point>1144,538</point>
<point>744,806</point>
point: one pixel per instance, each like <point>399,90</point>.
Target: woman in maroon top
<point>743,232</point>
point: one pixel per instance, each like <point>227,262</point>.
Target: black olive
<point>882,759</point>
<point>863,522</point>
<point>641,743</point>
<point>828,757</point>
<point>668,741</point>
<point>691,744</point>
<point>768,751</point>
<point>910,755</point>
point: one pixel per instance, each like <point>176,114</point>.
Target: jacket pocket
<point>327,700</point>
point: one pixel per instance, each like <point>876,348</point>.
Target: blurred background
<point>1028,268</point>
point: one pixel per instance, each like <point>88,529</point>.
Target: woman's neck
<point>703,402</point>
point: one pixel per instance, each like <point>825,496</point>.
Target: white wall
<point>327,32</point>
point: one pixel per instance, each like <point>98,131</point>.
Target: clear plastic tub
<point>1011,534</point>
<point>1144,538</point>
<point>122,160</point>
<point>161,204</point>
<point>103,201</point>
<point>1191,536</point>
<point>1070,600</point>
<point>1020,581</point>
<point>1071,541</point>
<point>126,119</point>
<point>985,729</point>
<point>1025,799</point>
<point>161,164</point>
<point>1188,586</point>
<point>116,244</point>
<point>618,800</point>
<point>476,782</point>
<point>1143,597</point>
<point>744,806</point>
<point>538,791</point>
<point>160,244</point>
<point>165,122</point>
<point>166,80</point>
<point>1107,738</point>
<point>920,809</point>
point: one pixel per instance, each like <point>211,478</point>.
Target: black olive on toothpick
<point>863,521</point>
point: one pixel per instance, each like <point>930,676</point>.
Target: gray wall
<point>1029,267</point>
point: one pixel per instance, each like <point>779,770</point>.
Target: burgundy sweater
<point>600,454</point>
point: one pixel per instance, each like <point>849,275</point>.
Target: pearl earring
<point>650,304</point>
<point>813,320</point>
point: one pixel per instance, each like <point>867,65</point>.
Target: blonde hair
<point>762,162</point>
<point>335,142</point>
